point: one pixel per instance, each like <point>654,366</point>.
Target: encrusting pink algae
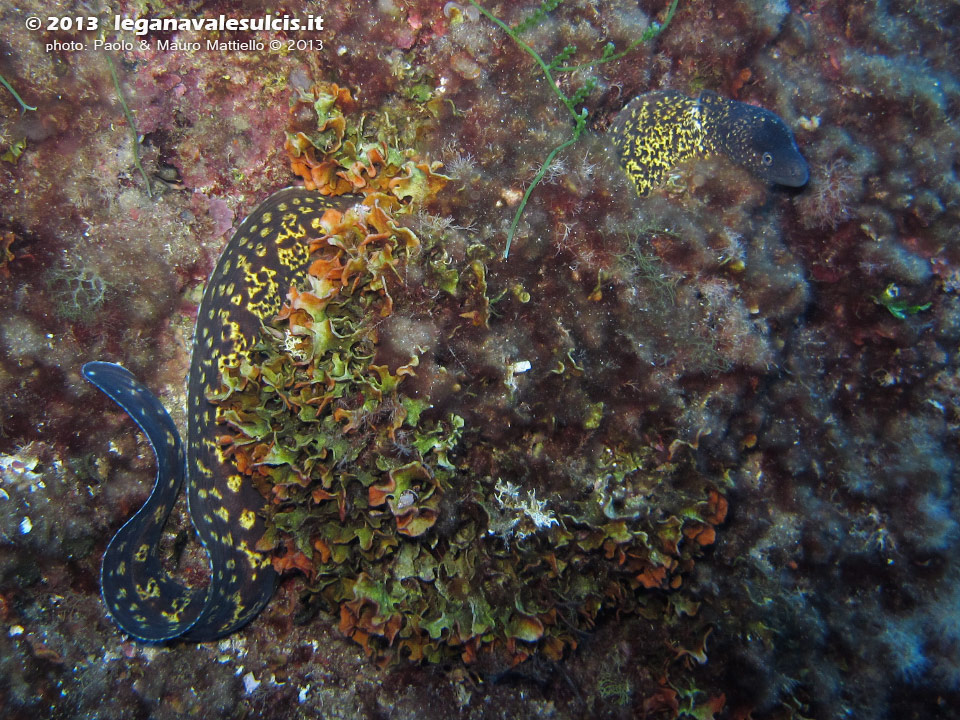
<point>690,454</point>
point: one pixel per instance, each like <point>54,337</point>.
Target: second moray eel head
<point>757,140</point>
<point>660,129</point>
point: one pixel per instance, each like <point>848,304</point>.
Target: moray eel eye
<point>767,159</point>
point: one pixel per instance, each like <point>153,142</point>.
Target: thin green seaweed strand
<point>537,16</point>
<point>579,118</point>
<point>531,52</point>
<point>609,56</point>
<point>133,128</point>
<point>23,106</point>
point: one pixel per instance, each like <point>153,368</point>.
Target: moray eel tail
<point>140,595</point>
<point>268,254</point>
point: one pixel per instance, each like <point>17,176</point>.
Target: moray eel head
<point>760,141</point>
<point>662,128</point>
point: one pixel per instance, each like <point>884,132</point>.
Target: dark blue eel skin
<point>267,255</point>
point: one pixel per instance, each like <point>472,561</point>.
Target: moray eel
<point>267,255</point>
<point>658,130</point>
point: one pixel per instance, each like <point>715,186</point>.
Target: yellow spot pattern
<point>655,132</point>
<point>268,254</point>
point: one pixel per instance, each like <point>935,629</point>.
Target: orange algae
<point>6,255</point>
<point>359,166</point>
<point>372,495</point>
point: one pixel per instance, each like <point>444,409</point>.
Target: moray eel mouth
<point>793,172</point>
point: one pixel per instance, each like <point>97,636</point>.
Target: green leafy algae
<point>372,499</point>
<point>429,537</point>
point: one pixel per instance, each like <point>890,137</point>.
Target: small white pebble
<point>250,683</point>
<point>26,525</point>
<point>16,630</point>
<point>302,695</point>
<point>511,196</point>
<point>514,369</point>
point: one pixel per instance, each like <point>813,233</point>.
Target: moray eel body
<point>267,255</point>
<point>658,130</point>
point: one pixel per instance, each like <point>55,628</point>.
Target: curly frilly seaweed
<point>419,557</point>
<point>354,165</point>
<point>372,481</point>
